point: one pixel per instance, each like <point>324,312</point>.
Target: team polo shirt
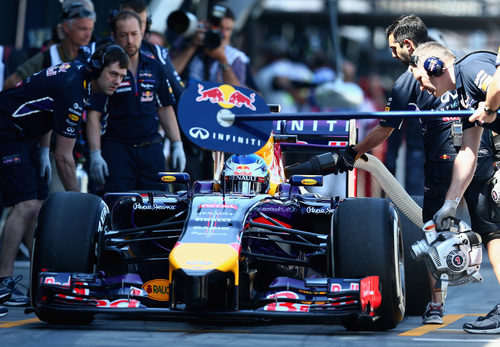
<point>406,95</point>
<point>53,98</point>
<point>161,53</point>
<point>130,114</point>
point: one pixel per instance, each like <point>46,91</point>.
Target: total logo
<point>226,96</point>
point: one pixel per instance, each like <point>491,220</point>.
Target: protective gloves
<point>442,218</point>
<point>346,160</point>
<point>45,167</point>
<point>98,167</point>
<point>177,157</point>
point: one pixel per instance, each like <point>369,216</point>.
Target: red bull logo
<point>226,96</point>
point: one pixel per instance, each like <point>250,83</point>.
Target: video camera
<point>186,24</point>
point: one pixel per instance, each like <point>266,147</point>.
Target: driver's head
<point>245,174</point>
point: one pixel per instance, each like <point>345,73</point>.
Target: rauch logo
<point>157,289</point>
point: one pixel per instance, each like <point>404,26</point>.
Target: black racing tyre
<point>418,291</point>
<point>66,238</point>
<point>367,242</point>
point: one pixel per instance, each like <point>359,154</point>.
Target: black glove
<point>346,160</point>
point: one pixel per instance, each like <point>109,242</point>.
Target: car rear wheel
<point>367,242</point>
<point>66,238</point>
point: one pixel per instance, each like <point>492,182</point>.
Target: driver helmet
<point>245,174</point>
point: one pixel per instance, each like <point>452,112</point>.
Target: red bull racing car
<point>226,248</point>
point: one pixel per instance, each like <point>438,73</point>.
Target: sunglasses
<point>77,10</point>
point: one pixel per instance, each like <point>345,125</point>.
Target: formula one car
<point>225,248</point>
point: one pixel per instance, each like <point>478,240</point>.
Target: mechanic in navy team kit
<point>151,50</point>
<point>438,70</point>
<point>129,154</point>
<point>445,139</point>
<point>52,99</point>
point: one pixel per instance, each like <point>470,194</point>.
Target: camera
<point>185,24</point>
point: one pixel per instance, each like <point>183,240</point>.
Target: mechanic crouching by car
<point>50,100</point>
<point>129,154</point>
<point>438,70</point>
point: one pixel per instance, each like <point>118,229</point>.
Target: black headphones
<point>96,62</point>
<point>435,66</point>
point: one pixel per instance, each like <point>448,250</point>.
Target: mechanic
<point>131,146</point>
<point>404,35</point>
<point>438,70</point>
<point>76,27</point>
<point>52,99</point>
<point>152,50</point>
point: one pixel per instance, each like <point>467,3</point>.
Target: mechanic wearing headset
<point>438,70</point>
<point>52,99</point>
<point>132,152</point>
<point>151,50</point>
<point>442,137</point>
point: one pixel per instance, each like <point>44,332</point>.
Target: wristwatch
<point>489,111</point>
<point>225,66</point>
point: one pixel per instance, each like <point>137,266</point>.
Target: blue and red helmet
<point>245,174</point>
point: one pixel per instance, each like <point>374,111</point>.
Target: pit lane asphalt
<point>464,303</point>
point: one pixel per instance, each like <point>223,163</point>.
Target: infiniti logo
<point>198,132</point>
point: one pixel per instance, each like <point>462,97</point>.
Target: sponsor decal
<point>138,206</point>
<point>168,178</point>
<point>314,210</point>
<point>12,159</point>
<point>63,67</point>
<point>285,306</point>
<point>387,108</point>
<point>73,117</point>
<point>308,181</point>
<point>226,96</point>
<point>147,85</point>
<point>124,84</point>
<point>234,207</point>
<point>198,132</point>
<point>147,96</point>
<point>120,303</point>
<point>145,74</point>
<point>51,71</point>
<point>277,209</point>
<point>123,90</point>
<point>445,156</point>
<point>157,289</point>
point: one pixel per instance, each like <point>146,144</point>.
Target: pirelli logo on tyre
<point>157,289</point>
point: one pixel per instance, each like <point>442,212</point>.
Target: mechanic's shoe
<point>3,311</point>
<point>433,314</point>
<point>4,293</point>
<point>17,297</point>
<point>489,324</point>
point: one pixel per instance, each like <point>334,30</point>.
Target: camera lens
<point>213,39</point>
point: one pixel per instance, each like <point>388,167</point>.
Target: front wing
<point>287,298</point>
